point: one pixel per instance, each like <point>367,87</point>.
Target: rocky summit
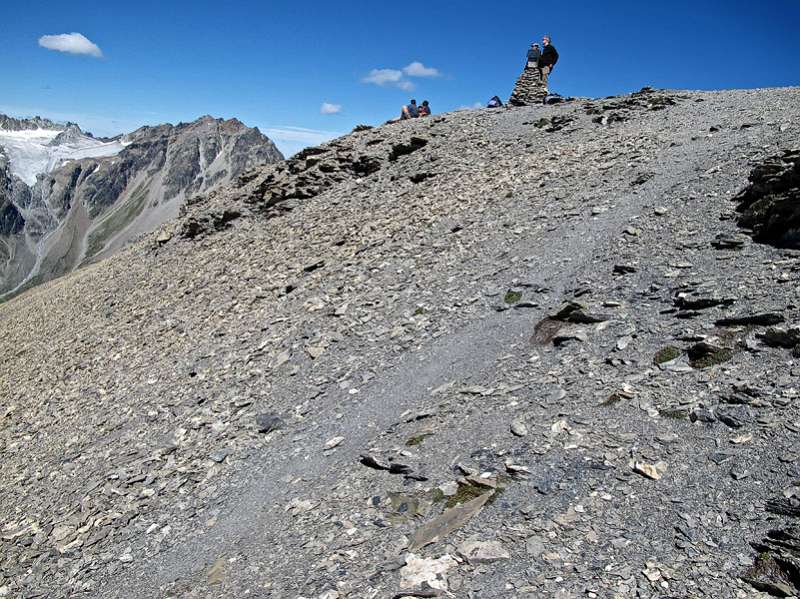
<point>547,351</point>
<point>68,198</point>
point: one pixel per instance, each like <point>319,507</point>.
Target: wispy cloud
<point>291,140</point>
<point>328,108</point>
<point>473,106</point>
<point>384,77</point>
<point>406,85</point>
<point>71,43</point>
<point>400,77</point>
<point>417,69</point>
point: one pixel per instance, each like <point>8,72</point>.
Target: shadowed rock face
<point>71,134</point>
<point>11,221</point>
<point>770,205</point>
<point>14,196</point>
<point>91,207</point>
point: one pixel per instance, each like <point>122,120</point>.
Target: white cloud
<point>398,77</point>
<point>406,85</point>
<point>417,69</point>
<point>392,77</point>
<point>328,108</point>
<point>473,106</point>
<point>383,76</point>
<point>72,43</point>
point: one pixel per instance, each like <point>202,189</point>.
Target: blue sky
<point>274,63</point>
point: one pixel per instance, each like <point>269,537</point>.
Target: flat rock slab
<point>451,520</point>
<point>483,552</point>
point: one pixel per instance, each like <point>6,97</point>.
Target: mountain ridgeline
<point>68,198</point>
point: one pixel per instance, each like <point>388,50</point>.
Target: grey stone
<point>483,552</point>
<point>266,422</point>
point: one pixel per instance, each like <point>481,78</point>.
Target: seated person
<point>409,111</point>
<point>425,109</point>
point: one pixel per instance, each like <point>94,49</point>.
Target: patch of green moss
<point>403,505</point>
<point>419,311</point>
<point>666,354</point>
<point>712,359</point>
<point>437,495</point>
<point>512,297</point>
<point>464,494</point>
<point>417,439</point>
<point>674,413</point>
<point>468,492</point>
<point>497,492</point>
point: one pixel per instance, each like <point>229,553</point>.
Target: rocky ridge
<point>9,123</point>
<point>428,359</point>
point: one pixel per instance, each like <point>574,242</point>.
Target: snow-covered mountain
<point>67,198</point>
<point>39,151</point>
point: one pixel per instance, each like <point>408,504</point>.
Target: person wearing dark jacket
<point>534,54</point>
<point>409,111</point>
<point>548,59</point>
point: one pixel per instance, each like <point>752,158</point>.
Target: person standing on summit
<point>548,59</point>
<point>534,54</point>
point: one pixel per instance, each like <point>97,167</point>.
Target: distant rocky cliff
<point>90,207</point>
<point>8,123</point>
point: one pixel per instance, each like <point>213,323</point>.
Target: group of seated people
<point>412,111</point>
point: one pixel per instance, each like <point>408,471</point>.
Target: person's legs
<point>545,75</point>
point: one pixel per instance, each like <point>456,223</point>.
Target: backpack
<point>495,102</point>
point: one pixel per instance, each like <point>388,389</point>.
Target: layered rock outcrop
<point>770,205</point>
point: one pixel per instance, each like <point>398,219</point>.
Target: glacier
<point>32,152</point>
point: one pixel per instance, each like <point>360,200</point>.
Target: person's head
<point>536,46</point>
<point>413,102</point>
<point>546,40</point>
<point>425,103</point>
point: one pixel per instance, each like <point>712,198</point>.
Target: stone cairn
<point>529,89</point>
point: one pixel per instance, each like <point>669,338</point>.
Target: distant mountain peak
<point>72,134</point>
<point>9,123</point>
